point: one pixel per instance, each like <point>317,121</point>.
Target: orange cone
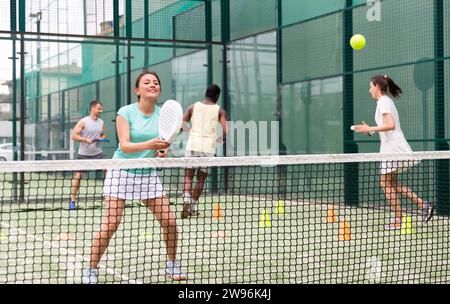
<point>217,212</point>
<point>331,217</point>
<point>344,231</point>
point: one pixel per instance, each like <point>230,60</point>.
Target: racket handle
<point>370,133</point>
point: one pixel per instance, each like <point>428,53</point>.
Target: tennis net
<point>285,219</point>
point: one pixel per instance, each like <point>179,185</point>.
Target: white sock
<point>188,200</point>
<point>194,205</point>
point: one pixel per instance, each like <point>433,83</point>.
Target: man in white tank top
<point>87,131</point>
<point>204,117</point>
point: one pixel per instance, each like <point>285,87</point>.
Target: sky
<point>69,20</point>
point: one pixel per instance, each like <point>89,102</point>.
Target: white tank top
<point>204,120</point>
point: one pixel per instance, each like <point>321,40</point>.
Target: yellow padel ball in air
<point>358,42</point>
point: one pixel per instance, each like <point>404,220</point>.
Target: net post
<point>117,61</point>
<point>23,108</point>
<point>281,169</point>
<point>208,35</point>
<point>13,18</point>
<point>225,38</point>
<point>442,187</point>
<point>281,180</point>
<point>442,167</point>
<point>146,33</point>
<point>351,179</point>
<point>351,191</point>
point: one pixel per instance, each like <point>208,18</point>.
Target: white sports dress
<point>392,141</point>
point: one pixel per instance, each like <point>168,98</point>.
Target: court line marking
<point>79,257</point>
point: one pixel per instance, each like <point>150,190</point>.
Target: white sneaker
<point>90,276</point>
<point>173,271</point>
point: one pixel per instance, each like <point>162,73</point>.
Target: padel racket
<point>170,121</point>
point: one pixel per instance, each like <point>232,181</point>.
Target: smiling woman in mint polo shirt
<point>137,128</point>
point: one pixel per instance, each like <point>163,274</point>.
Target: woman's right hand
<point>157,144</point>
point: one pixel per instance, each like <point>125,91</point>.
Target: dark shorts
<point>98,156</point>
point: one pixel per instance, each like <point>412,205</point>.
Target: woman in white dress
<point>392,141</point>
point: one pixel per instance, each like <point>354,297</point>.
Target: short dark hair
<point>213,92</point>
<point>94,103</point>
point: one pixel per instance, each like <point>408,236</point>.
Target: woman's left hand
<point>163,153</point>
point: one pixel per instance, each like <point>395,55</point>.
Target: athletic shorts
<point>130,186</point>
<point>98,156</point>
<point>198,154</point>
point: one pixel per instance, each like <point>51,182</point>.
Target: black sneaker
<point>186,211</point>
<point>427,211</point>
